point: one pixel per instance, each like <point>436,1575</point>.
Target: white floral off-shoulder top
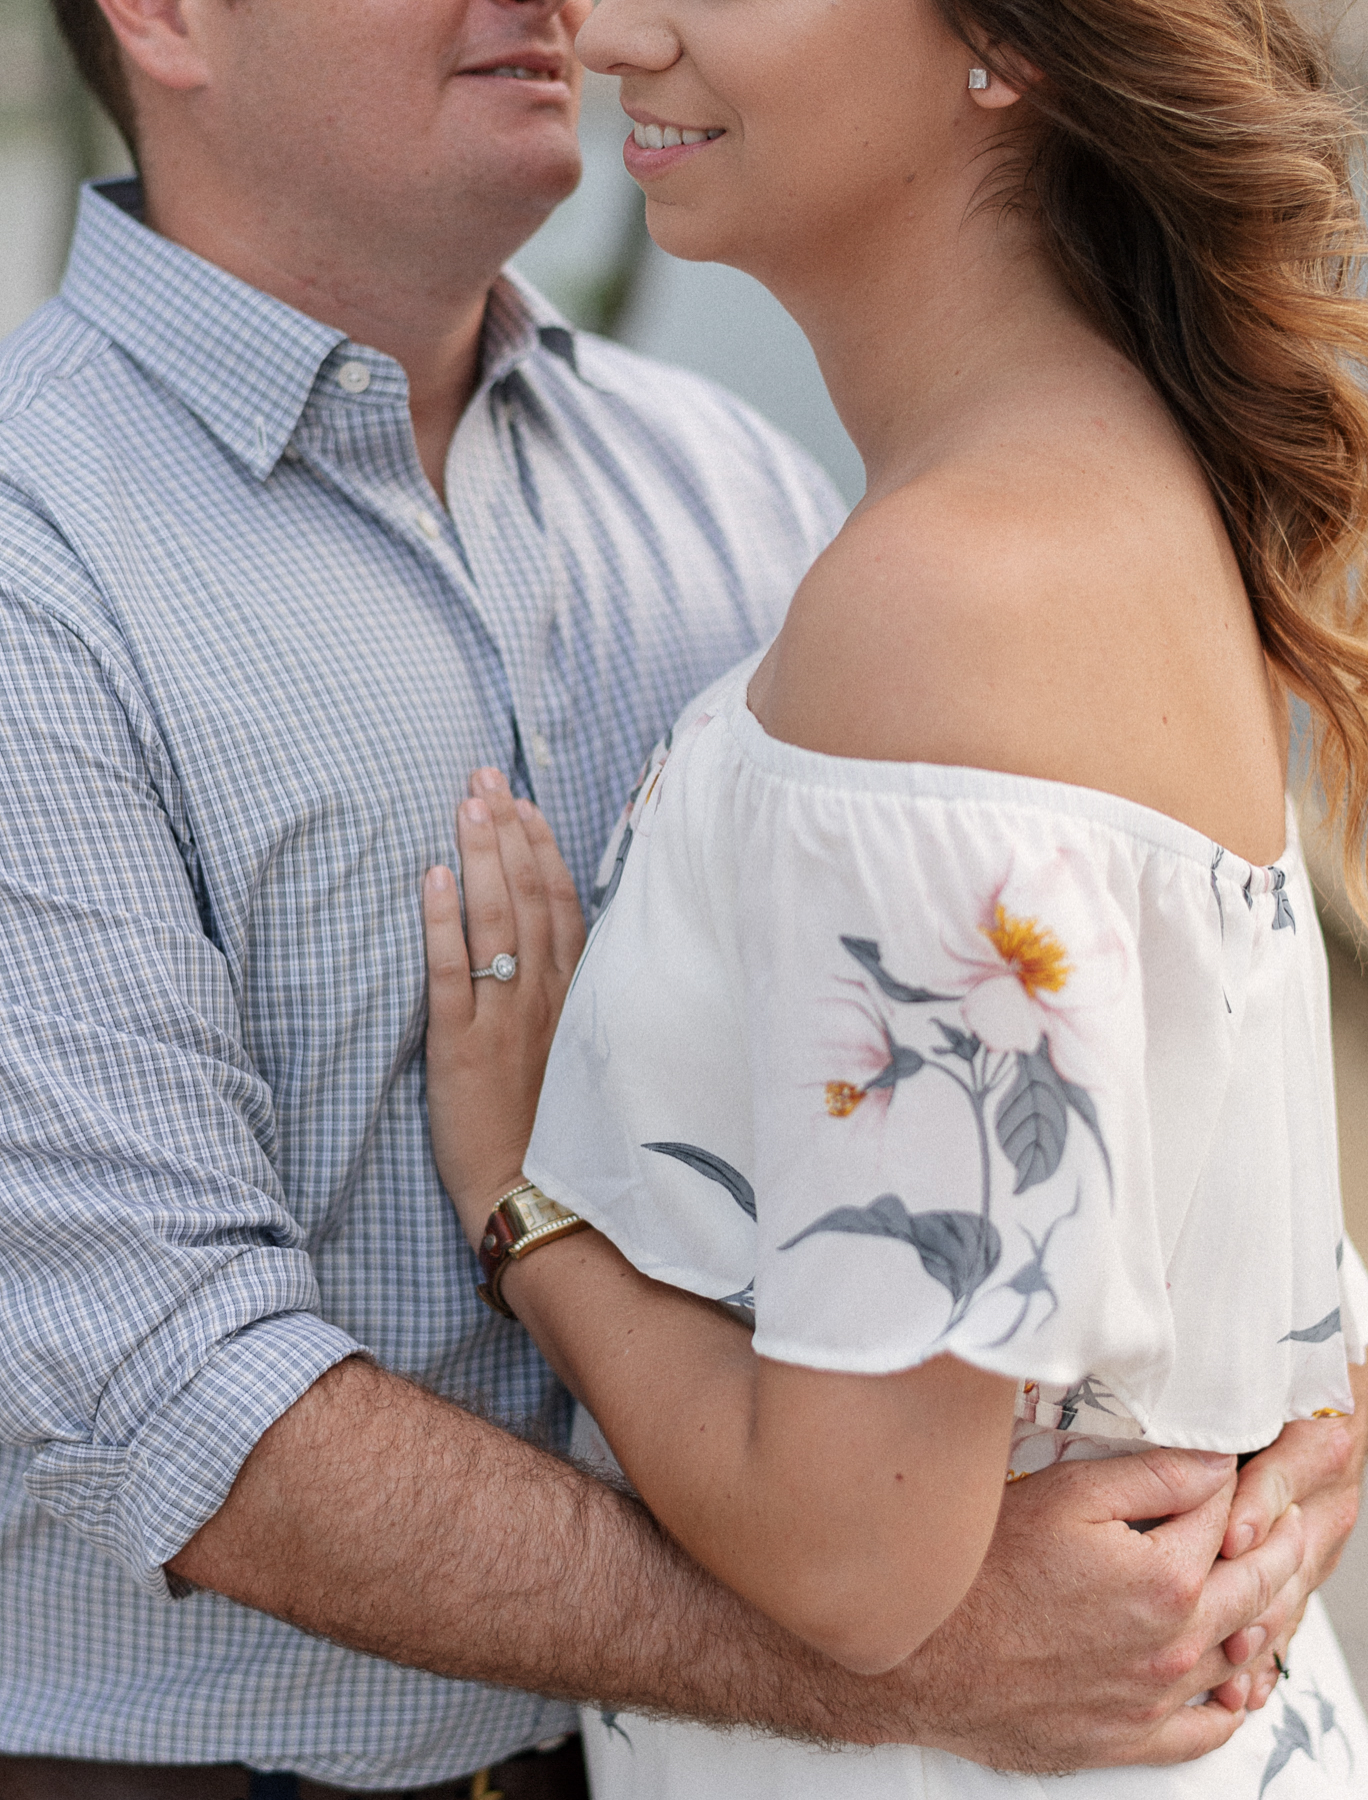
<point>910,1059</point>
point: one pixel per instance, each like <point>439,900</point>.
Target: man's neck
<point>431,327</point>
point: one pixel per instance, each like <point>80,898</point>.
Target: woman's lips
<point>652,148</point>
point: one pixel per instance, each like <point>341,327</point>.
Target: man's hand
<point>1316,1464</point>
<point>1082,1641</point>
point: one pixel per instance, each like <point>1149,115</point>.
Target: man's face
<point>396,118</point>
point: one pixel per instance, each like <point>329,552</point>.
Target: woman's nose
<point>622,36</point>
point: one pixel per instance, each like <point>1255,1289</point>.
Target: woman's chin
<point>681,232</point>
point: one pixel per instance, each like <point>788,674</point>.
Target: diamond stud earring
<point>978,80</point>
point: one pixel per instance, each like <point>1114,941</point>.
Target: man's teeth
<point>520,74</point>
<point>667,137</point>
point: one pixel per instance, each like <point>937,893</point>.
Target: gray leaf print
<point>866,952</point>
<point>903,1062</point>
<point>1081,1102</point>
<point>1289,1736</point>
<point>957,1043</point>
<point>610,1721</point>
<point>1216,861</point>
<point>1032,1279</point>
<point>1033,1122</point>
<point>743,1297</point>
<point>714,1168</point>
<point>1088,1392</point>
<point>1283,917</point>
<point>1329,1723</point>
<point>959,1250</point>
<point>1317,1333</point>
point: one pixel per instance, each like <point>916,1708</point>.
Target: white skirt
<point>1309,1743</point>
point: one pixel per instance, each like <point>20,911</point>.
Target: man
<point>304,513</point>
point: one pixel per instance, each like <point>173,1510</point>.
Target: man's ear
<point>1017,78</point>
<point>157,37</point>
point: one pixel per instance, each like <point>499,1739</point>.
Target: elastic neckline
<point>956,781</point>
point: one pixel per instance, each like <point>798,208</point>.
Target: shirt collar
<point>243,362</point>
<point>518,322</point>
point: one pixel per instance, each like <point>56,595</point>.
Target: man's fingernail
<point>1244,1537</point>
<point>526,810</point>
<point>1215,1459</point>
<point>440,878</point>
<point>489,781</point>
<point>476,811</point>
<point>1257,1638</point>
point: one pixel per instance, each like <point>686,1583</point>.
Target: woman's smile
<point>654,146</point>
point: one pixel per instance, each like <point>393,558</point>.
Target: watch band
<point>522,1221</point>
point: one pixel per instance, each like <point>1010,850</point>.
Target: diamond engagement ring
<point>503,968</point>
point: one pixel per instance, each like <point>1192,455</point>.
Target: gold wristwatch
<point>521,1222</point>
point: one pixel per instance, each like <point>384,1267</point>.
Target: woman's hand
<point>487,1040</point>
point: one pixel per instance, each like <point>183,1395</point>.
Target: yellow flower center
<point>1033,954</point>
<point>842,1097</point>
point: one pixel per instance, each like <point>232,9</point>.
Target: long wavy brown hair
<point>1193,177</point>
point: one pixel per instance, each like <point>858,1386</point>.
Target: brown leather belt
<point>535,1775</point>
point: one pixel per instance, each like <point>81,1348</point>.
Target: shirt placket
<point>362,441</point>
<point>517,581</point>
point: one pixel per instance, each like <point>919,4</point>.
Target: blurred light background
<point>595,261</point>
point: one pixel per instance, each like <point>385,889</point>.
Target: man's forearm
<point>377,1515</point>
<point>380,1516</point>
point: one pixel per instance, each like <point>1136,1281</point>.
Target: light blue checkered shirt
<point>246,663</point>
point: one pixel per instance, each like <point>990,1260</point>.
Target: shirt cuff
<point>144,1501</point>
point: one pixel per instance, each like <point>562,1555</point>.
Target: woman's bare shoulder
<point>1077,619</point>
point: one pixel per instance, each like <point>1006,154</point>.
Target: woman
<point>956,1010</point>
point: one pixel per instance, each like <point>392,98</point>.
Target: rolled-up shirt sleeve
<point>158,1306</point>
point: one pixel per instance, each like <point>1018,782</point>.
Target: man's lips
<point>535,67</point>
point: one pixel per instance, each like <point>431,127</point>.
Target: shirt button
<point>541,751</point>
<point>354,377</point>
<point>429,527</point>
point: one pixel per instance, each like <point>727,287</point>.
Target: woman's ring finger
<point>503,968</point>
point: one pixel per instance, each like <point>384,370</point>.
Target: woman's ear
<point>991,90</point>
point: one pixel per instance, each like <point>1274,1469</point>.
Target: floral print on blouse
<point>908,1059</point>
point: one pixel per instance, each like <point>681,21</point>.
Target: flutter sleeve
<point>952,1136</point>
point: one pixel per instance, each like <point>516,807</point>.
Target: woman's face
<point>828,124</point>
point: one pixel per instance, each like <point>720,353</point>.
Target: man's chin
<point>535,178</point>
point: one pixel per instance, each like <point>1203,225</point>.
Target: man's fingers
<point>1234,1694</point>
<point>451,1004</point>
<point>1153,1484</point>
<point>1191,1539</point>
<point>567,921</point>
<point>1309,1455</point>
<point>1190,1732</point>
<point>1260,1590</point>
<point>1274,1625</point>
